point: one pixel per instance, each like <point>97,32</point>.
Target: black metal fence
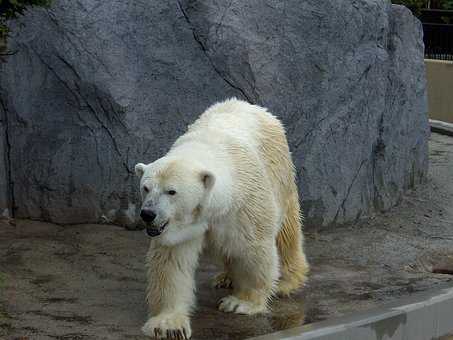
<point>438,34</point>
<point>438,40</point>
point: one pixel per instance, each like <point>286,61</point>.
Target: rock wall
<point>96,86</point>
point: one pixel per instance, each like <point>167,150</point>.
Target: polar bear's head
<point>173,193</point>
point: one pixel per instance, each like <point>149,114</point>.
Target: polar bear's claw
<point>222,280</point>
<point>232,304</point>
<point>168,326</point>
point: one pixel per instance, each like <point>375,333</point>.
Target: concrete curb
<point>423,316</point>
<point>441,127</point>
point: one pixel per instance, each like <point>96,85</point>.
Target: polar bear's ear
<point>208,179</point>
<point>140,169</point>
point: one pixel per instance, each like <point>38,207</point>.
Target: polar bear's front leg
<point>171,326</point>
<point>171,288</point>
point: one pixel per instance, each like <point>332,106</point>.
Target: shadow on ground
<point>88,281</point>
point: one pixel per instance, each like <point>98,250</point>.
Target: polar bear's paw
<point>232,304</point>
<point>222,280</point>
<point>168,326</point>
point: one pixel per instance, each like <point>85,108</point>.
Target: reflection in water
<point>287,313</point>
<point>285,321</point>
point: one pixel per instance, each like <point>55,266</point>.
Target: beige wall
<point>439,74</point>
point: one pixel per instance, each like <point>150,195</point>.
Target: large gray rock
<point>96,86</point>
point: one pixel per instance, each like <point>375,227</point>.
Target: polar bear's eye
<point>171,192</point>
<point>145,189</point>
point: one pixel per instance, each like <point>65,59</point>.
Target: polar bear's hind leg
<point>254,275</point>
<point>293,264</point>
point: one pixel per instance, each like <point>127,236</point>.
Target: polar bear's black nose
<point>147,215</point>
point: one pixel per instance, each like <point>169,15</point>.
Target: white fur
<point>237,214</point>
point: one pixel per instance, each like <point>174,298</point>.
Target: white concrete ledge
<point>423,316</point>
<point>441,127</point>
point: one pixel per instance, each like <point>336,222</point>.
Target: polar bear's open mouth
<point>152,232</point>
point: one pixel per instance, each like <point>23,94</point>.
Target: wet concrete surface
<point>425,315</point>
<point>88,281</point>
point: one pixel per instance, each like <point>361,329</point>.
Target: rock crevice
<point>197,39</point>
<point>7,200</point>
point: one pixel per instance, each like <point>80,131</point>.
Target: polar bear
<point>227,185</point>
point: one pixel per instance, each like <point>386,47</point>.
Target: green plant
<point>10,9</point>
<point>447,4</point>
<point>2,280</point>
<point>414,5</point>
<point>417,5</point>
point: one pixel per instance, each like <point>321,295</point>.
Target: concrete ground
<point>88,281</point>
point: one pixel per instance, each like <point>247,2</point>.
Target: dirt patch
<point>84,320</point>
<point>59,300</point>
